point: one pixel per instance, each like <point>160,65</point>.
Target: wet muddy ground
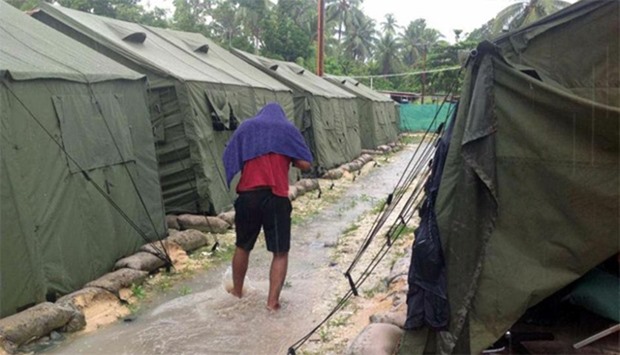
<point>197,315</point>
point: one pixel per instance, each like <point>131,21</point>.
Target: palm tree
<point>251,12</point>
<point>417,40</point>
<point>523,13</point>
<point>359,39</point>
<point>342,13</point>
<point>457,35</point>
<point>387,54</point>
<point>389,25</point>
<point>225,25</point>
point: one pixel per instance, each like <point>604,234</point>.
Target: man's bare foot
<point>238,295</point>
<point>273,308</point>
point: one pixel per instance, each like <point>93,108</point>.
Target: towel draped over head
<point>267,132</point>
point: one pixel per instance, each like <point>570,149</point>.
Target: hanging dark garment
<point>427,300</point>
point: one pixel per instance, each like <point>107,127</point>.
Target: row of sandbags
<point>67,313</point>
<point>186,232</point>
<point>224,221</point>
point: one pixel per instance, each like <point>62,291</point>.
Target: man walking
<point>262,149</point>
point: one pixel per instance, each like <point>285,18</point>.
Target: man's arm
<point>302,165</point>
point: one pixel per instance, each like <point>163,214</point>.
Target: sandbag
<point>207,224</point>
<point>309,184</point>
<point>353,166</point>
<point>118,279</point>
<point>99,306</point>
<point>171,222</point>
<point>228,217</point>
<point>189,240</point>
<point>33,323</point>
<point>140,261</point>
<point>366,158</point>
<point>395,317</point>
<point>292,193</point>
<point>300,188</point>
<point>400,268</point>
<point>384,148</point>
<point>370,151</point>
<point>376,339</point>
<point>333,174</point>
<point>160,247</point>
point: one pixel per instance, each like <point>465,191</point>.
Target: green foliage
<point>185,290</point>
<point>138,291</point>
<point>379,206</point>
<point>24,5</point>
<point>127,10</point>
<point>287,30</point>
<point>352,228</point>
<point>283,39</point>
<point>190,15</point>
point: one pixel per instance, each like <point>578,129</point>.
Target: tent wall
<point>386,129</point>
<point>185,100</point>
<point>375,113</point>
<point>58,231</point>
<point>335,130</point>
<point>530,194</point>
<point>524,240</point>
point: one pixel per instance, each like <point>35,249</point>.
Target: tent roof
<point>295,75</point>
<point>552,49</point>
<point>218,58</point>
<point>30,50</point>
<point>358,88</point>
<point>145,46</point>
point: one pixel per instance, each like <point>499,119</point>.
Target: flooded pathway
<point>210,321</point>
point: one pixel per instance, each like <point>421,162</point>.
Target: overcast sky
<point>443,15</point>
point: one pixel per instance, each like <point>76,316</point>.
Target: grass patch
<point>133,307</point>
<point>411,138</point>
<point>223,253</point>
<point>138,291</point>
<point>324,334</point>
<point>340,321</point>
<point>402,230</point>
<point>373,291</point>
<point>165,282</point>
<point>185,290</point>
<point>353,227</point>
<point>379,206</point>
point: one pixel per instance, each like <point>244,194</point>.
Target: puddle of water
<point>210,321</point>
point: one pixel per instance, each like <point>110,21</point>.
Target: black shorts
<point>261,208</point>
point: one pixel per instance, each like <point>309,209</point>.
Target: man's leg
<point>277,275</point>
<point>239,267</point>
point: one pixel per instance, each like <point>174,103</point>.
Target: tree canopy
<point>355,43</point>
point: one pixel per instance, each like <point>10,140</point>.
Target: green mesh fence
<point>417,118</point>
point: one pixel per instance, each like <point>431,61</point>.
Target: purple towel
<point>268,132</point>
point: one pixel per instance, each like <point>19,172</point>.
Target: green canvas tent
<point>75,144</point>
<point>376,114</point>
<point>198,93</point>
<point>530,193</point>
<point>325,113</point>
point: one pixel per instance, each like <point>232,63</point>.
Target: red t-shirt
<point>269,170</point>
